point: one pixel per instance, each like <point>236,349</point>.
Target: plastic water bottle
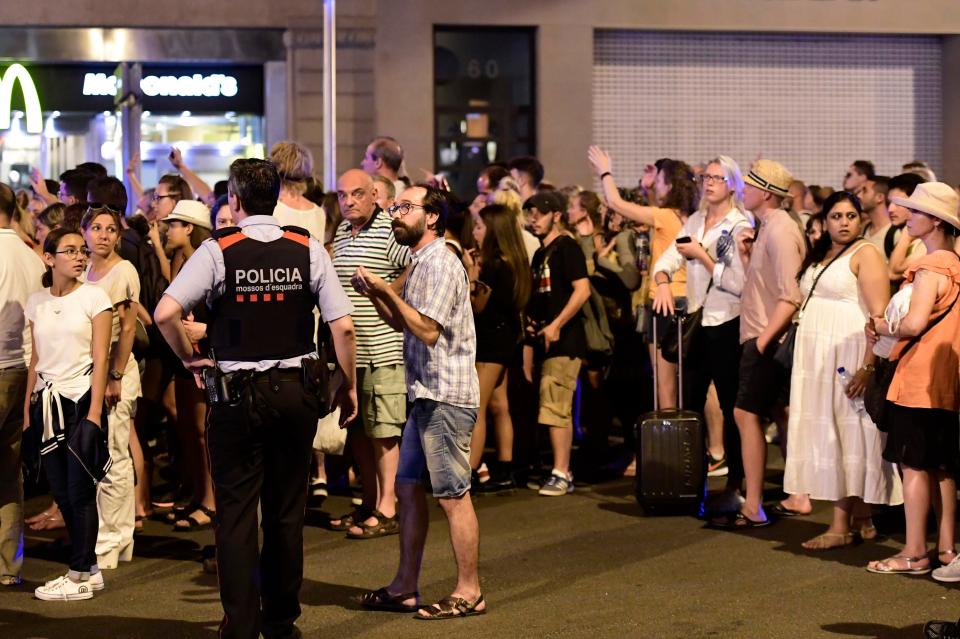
<point>845,378</point>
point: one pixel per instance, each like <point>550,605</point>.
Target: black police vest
<point>266,310</point>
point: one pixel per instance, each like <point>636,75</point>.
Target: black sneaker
<point>499,484</point>
<point>941,630</point>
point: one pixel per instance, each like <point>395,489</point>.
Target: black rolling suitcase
<point>671,454</point>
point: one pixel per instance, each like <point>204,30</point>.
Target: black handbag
<point>784,353</point>
<point>688,327</point>
<point>875,392</point>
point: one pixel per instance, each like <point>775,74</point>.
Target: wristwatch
<point>116,375</point>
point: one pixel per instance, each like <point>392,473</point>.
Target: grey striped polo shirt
<point>375,248</point>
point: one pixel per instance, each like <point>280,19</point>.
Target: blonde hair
<point>734,181</point>
<point>294,163</point>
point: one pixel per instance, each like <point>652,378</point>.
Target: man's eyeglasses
<point>73,252</point>
<point>157,197</point>
<point>402,209</point>
<point>707,178</point>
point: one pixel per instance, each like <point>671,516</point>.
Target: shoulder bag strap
<point>820,274</point>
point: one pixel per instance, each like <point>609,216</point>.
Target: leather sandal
<point>381,599</point>
<point>451,608</point>
<point>190,523</point>
<point>885,567</point>
<point>385,526</point>
<point>828,540</point>
<point>346,521</point>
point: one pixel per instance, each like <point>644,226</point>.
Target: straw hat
<point>191,212</point>
<point>769,176</point>
<point>936,199</point>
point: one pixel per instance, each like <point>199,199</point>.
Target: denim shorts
<point>436,447</point>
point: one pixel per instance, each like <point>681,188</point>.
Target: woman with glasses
<point>119,280</point>
<point>715,274</point>
<point>70,324</point>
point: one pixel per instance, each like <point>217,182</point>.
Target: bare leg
<point>714,417</point>
<point>838,534</point>
<point>414,521</point>
<point>754,448</point>
<point>136,453</point>
<point>489,375</point>
<point>666,379</point>
<point>947,489</point>
<point>799,502</point>
<point>916,505</point>
<point>465,539</point>
<point>561,440</point>
<point>386,451</point>
<point>502,422</point>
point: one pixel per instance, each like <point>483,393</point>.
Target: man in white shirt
<point>20,273</point>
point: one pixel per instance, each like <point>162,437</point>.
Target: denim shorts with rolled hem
<point>436,446</point>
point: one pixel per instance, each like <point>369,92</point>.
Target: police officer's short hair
<point>256,183</point>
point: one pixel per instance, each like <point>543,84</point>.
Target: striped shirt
<point>437,287</point>
<point>375,248</point>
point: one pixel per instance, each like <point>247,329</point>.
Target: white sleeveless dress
<point>832,451</point>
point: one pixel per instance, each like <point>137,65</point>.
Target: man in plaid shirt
<point>439,348</point>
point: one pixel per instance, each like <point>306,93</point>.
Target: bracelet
<point>868,368</point>
<point>605,174</point>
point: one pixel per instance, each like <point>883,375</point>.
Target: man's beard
<point>546,232</point>
<point>408,236</point>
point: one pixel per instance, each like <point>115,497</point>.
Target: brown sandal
<point>385,526</point>
<point>381,599</point>
<point>450,608</point>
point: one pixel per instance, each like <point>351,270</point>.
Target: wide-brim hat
<point>769,176</point>
<point>936,199</point>
<point>191,212</point>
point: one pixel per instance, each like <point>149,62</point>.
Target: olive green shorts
<point>383,400</point>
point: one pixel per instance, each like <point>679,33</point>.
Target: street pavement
<point>585,565</point>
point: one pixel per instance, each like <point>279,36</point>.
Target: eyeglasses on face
<point>73,252</point>
<point>708,178</point>
<point>402,209</point>
<point>157,197</point>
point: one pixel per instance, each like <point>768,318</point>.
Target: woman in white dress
<point>835,451</point>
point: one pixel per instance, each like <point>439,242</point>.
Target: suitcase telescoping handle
<point>656,360</point>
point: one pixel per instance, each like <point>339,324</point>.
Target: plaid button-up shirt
<point>437,287</point>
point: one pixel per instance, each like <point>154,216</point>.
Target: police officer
<point>261,283</point>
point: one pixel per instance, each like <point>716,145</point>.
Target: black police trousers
<point>260,452</point>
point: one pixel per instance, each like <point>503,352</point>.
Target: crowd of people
<point>806,300</point>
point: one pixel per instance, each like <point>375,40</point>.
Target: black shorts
<point>764,384</point>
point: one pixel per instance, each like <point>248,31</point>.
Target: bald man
<point>365,238</point>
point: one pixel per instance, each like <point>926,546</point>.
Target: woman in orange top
<point>675,195</point>
<point>923,401</point>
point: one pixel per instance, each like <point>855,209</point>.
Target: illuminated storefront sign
<point>31,101</point>
<point>184,86</point>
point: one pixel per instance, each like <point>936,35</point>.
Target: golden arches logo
<point>31,101</point>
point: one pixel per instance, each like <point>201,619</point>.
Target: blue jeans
<point>436,446</point>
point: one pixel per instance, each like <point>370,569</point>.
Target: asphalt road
<point>585,565</point>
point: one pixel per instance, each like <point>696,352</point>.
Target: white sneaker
<point>96,581</point>
<point>950,572</point>
<point>64,589</point>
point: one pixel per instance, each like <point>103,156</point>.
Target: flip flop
<point>736,521</point>
<point>783,511</point>
<point>883,566</point>
<point>381,599</point>
<point>451,608</point>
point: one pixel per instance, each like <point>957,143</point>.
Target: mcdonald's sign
<point>31,101</point>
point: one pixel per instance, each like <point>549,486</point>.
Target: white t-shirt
<point>20,274</point>
<point>63,333</point>
<point>312,219</point>
<point>121,283</point>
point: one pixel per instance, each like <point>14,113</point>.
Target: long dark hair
<point>822,246</point>
<point>503,241</point>
<point>50,245</point>
<point>683,195</point>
